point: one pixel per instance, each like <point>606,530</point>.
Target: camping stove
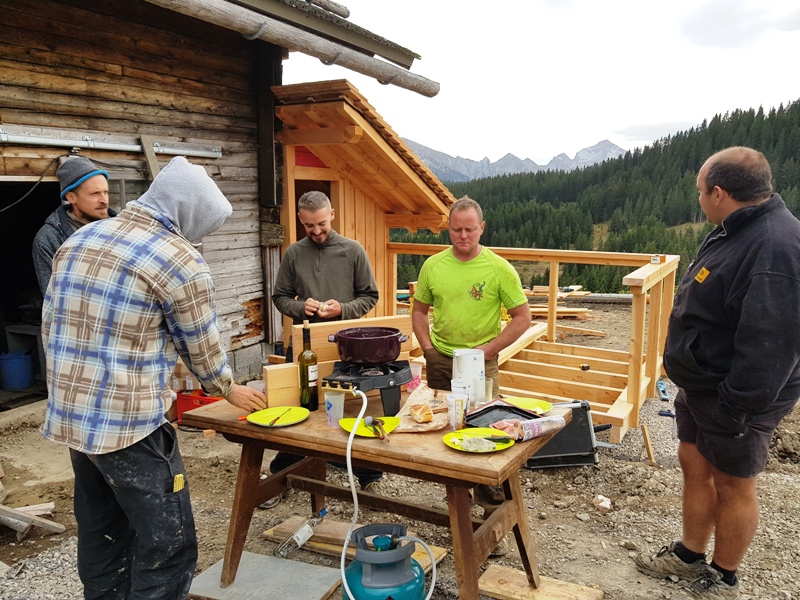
<point>386,377</point>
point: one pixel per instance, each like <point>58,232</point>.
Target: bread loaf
<point>421,413</point>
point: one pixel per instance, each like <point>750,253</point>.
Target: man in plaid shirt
<point>126,297</point>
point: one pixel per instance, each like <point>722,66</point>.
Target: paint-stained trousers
<point>136,533</point>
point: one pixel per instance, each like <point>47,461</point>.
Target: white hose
<point>349,460</point>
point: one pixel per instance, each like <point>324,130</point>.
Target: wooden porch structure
<point>617,382</point>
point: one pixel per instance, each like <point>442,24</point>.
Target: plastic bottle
<point>307,363</point>
<point>300,536</point>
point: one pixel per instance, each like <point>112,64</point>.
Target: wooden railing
<point>652,278</point>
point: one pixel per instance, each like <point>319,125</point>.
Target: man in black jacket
<point>84,189</point>
<point>733,350</point>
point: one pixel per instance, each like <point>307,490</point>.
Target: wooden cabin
<point>129,84</point>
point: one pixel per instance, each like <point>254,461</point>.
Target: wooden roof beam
<point>436,223</point>
<point>319,137</point>
<point>254,26</point>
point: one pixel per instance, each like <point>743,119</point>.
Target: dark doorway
<point>20,299</point>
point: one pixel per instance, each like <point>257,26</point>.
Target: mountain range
<point>448,168</point>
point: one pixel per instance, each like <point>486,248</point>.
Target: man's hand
<point>330,309</point>
<point>488,352</point>
<point>246,398</point>
<point>312,306</point>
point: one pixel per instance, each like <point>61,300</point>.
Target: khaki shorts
<point>439,371</point>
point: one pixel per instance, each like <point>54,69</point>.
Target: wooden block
<point>329,539</point>
<point>276,359</point>
<point>209,433</point>
<point>282,384</point>
<point>329,531</point>
<point>505,583</point>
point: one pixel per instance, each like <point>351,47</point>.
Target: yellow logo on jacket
<point>701,276</point>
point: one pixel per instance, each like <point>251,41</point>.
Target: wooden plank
<point>322,136</point>
<point>647,445</point>
<point>12,513</point>
<point>572,373</point>
<point>569,389</point>
<point>570,360</point>
<point>329,539</point>
<point>505,583</point>
<point>588,351</point>
<point>580,330</point>
<point>534,332</point>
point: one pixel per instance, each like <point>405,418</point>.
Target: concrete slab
<point>263,577</point>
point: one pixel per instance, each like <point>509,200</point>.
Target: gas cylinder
<point>385,570</point>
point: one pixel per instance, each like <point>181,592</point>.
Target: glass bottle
<point>300,536</point>
<point>307,363</point>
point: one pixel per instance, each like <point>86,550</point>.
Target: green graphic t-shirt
<point>466,297</point>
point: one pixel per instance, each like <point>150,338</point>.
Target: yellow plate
<point>454,438</point>
<point>389,425</point>
<point>540,407</point>
<point>285,415</point>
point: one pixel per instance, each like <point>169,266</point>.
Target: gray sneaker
<point>709,586</point>
<point>665,563</point>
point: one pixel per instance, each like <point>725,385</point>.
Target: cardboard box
<point>182,378</point>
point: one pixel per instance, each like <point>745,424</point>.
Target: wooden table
<point>419,455</point>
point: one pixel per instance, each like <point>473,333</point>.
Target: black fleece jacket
<point>735,326</point>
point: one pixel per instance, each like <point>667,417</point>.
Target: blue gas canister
<point>385,570</point>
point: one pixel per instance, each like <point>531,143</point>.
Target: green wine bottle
<point>307,363</point>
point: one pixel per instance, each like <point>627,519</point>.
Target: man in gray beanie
<point>84,191</point>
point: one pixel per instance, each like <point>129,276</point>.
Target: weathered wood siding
<point>118,69</point>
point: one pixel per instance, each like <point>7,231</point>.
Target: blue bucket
<point>16,371</point>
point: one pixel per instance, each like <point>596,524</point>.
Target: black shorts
<point>738,449</point>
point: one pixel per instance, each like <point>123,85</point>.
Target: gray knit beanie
<point>74,171</point>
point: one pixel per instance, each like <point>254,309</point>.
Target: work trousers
<point>136,533</point>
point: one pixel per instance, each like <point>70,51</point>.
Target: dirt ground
<point>575,542</point>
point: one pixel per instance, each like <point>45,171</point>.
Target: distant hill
<point>448,168</point>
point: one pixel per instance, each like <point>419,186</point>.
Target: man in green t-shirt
<point>467,284</point>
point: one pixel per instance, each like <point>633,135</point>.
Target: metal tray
<point>484,417</point>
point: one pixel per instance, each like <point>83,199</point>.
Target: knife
<point>498,439</point>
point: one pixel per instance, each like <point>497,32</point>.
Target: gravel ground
<point>575,541</point>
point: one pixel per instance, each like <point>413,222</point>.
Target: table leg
<point>244,503</point>
<point>464,554</point>
<point>522,534</point>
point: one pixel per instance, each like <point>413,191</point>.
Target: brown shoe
<point>489,494</point>
<point>500,550</point>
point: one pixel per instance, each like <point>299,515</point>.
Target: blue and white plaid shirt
<point>127,295</point>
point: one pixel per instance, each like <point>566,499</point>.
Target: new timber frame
<point>616,382</point>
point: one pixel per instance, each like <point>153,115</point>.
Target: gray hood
<point>186,195</point>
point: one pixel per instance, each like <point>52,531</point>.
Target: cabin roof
<point>324,23</point>
<point>335,122</point>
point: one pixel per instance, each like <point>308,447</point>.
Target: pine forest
<point>644,201</point>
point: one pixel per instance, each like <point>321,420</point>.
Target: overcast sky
<point>540,77</point>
